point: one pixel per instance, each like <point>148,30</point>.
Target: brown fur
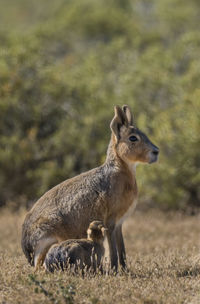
<point>80,253</point>
<point>107,193</point>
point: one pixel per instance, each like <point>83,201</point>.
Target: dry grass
<point>163,257</point>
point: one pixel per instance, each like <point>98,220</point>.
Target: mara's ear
<point>89,232</point>
<point>104,231</point>
<point>118,121</point>
<point>128,113</point>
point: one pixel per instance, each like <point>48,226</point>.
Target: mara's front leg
<point>112,248</point>
<point>120,246</point>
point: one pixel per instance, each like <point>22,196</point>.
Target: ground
<point>163,258</point>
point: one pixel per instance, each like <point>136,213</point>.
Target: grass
<point>163,258</point>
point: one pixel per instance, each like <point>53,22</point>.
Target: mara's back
<point>79,193</point>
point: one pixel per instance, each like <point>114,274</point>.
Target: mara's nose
<point>155,151</point>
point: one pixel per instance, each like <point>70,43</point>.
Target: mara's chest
<point>124,196</point>
<point>121,216</point>
<point>123,203</point>
<point>127,205</point>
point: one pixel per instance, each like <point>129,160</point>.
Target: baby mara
<point>84,254</point>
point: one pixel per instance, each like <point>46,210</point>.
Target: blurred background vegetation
<point>65,64</point>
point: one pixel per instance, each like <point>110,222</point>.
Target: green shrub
<point>62,75</point>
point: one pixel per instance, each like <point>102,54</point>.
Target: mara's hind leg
<point>41,250</point>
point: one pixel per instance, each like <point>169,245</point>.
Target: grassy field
<point>163,258</point>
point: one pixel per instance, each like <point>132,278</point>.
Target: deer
<point>84,254</point>
<point>107,193</point>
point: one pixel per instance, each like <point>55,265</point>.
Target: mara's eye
<point>133,138</point>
